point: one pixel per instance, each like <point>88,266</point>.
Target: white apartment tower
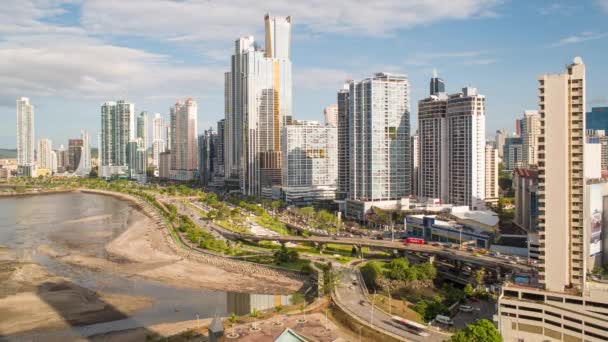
<point>491,168</point>
<point>84,166</point>
<point>45,147</point>
<point>117,129</point>
<point>330,114</point>
<point>142,128</point>
<point>158,141</point>
<point>529,135</point>
<point>379,135</point>
<point>25,137</point>
<point>415,164</point>
<point>184,148</point>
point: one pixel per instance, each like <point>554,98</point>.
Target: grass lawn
<point>269,260</point>
<point>397,307</point>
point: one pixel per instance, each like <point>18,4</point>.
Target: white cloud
<point>579,38</point>
<point>431,58</point>
<point>192,20</point>
<point>603,4</point>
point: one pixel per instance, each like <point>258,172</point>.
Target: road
<point>352,296</point>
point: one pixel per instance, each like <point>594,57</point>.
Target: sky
<point>71,56</point>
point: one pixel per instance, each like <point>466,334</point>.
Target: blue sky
<point>70,56</point>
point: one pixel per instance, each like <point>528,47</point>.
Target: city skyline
<point>183,58</point>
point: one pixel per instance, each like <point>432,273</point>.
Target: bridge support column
<point>359,252</point>
<point>320,247</point>
<point>432,259</point>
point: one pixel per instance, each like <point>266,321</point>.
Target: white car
<point>465,308</point>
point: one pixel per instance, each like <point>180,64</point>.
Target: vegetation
<point>297,299</point>
<point>481,331</point>
<point>331,278</point>
<point>371,272</point>
<point>284,255</point>
<point>429,309</point>
<point>399,269</point>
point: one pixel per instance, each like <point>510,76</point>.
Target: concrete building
<point>258,104</point>
<point>158,139</point>
<point>599,136</point>
<point>164,166</point>
<point>379,137</point>
<point>499,140</point>
<point>491,177</point>
<point>84,166</point>
<point>136,153</point>
<point>436,85</point>
<point>525,183</point>
<point>184,148</point>
<point>53,162</point>
<point>142,128</point>
<point>452,148</point>
<point>310,162</point>
<point>26,162</point>
<point>513,156</point>
<point>343,143</point>
<point>117,129</point>
<point>74,154</point>
<point>62,159</point>
<point>330,113</point>
<point>44,154</point>
<point>597,119</point>
<point>529,135</point>
<point>415,164</point>
<point>206,156</point>
<point>568,305</point>
<point>219,148</point>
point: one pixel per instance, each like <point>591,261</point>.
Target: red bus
<point>414,241</point>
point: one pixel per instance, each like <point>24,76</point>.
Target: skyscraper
<point>499,140</point>
<point>529,134</point>
<point>379,135</point>
<point>452,147</point>
<point>310,162</point>
<point>83,168</point>
<point>491,169</point>
<point>142,128</point>
<point>219,148</point>
<point>206,156</point>
<point>62,159</point>
<point>117,129</point>
<point>343,143</point>
<point>415,163</point>
<point>74,154</point>
<point>45,147</point>
<point>136,154</point>
<point>184,148</point>
<point>597,119</point>
<point>330,113</point>
<point>26,165</point>
<point>436,85</point>
<point>158,141</point>
<point>259,102</point>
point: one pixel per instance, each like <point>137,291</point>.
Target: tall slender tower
<point>278,37</point>
<point>25,137</point>
<point>117,129</point>
<point>45,147</point>
<point>83,168</point>
<point>529,135</point>
<point>561,183</point>
<point>142,128</point>
<point>437,85</point>
<point>184,149</point>
<point>158,141</point>
<point>343,143</point>
<point>330,113</point>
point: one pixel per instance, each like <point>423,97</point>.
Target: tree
<point>297,298</point>
<point>479,275</point>
<point>286,255</point>
<point>468,290</point>
<point>399,269</point>
<point>480,331</point>
<point>371,272</point>
<point>307,212</point>
<point>330,278</point>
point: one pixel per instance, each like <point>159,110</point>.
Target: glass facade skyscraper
<point>597,119</point>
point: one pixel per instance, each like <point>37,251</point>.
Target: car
<point>465,308</point>
<point>444,320</point>
<point>436,244</point>
<point>471,249</point>
<point>379,238</point>
<point>473,299</point>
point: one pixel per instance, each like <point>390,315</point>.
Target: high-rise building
<point>525,183</point>
<point>415,164</point>
<point>117,129</point>
<point>184,148</point>
<point>597,119</point>
<point>219,148</point>
<point>343,143</point>
<point>62,159</point>
<point>258,104</point>
<point>142,128</point>
<point>452,148</point>
<point>310,162</point>
<point>599,136</point>
<point>529,136</point>
<point>45,147</point>
<point>74,154</point>
<point>568,305</point>
<point>499,140</point>
<point>519,126</point>
<point>491,178</point>
<point>26,165</point>
<point>83,167</point>
<point>206,156</point>
<point>330,113</point>
<point>136,153</point>
<point>167,135</point>
<point>513,153</point>
<point>379,134</point>
<point>164,167</point>
<point>158,138</point>
<point>436,85</point>
<point>53,162</point>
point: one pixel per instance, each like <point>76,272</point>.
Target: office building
<point>158,138</point>
<point>379,137</point>
<point>491,177</point>
<point>330,113</point>
<point>569,305</point>
<point>452,148</point>
<point>142,128</point>
<point>45,149</point>
<point>436,85</point>
<point>519,127</point>
<point>206,156</point>
<point>117,129</point>
<point>499,140</point>
<point>62,159</point>
<point>184,148</point>
<point>167,135</point>
<point>258,104</point>
<point>513,153</point>
<point>136,152</point>
<point>220,149</point>
<point>74,154</point>
<point>597,119</point>
<point>525,183</point>
<point>415,164</point>
<point>164,166</point>
<point>310,162</point>
<point>83,167</point>
<point>529,136</point>
<point>599,136</point>
<point>53,162</point>
<point>343,143</point>
<point>26,162</point>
